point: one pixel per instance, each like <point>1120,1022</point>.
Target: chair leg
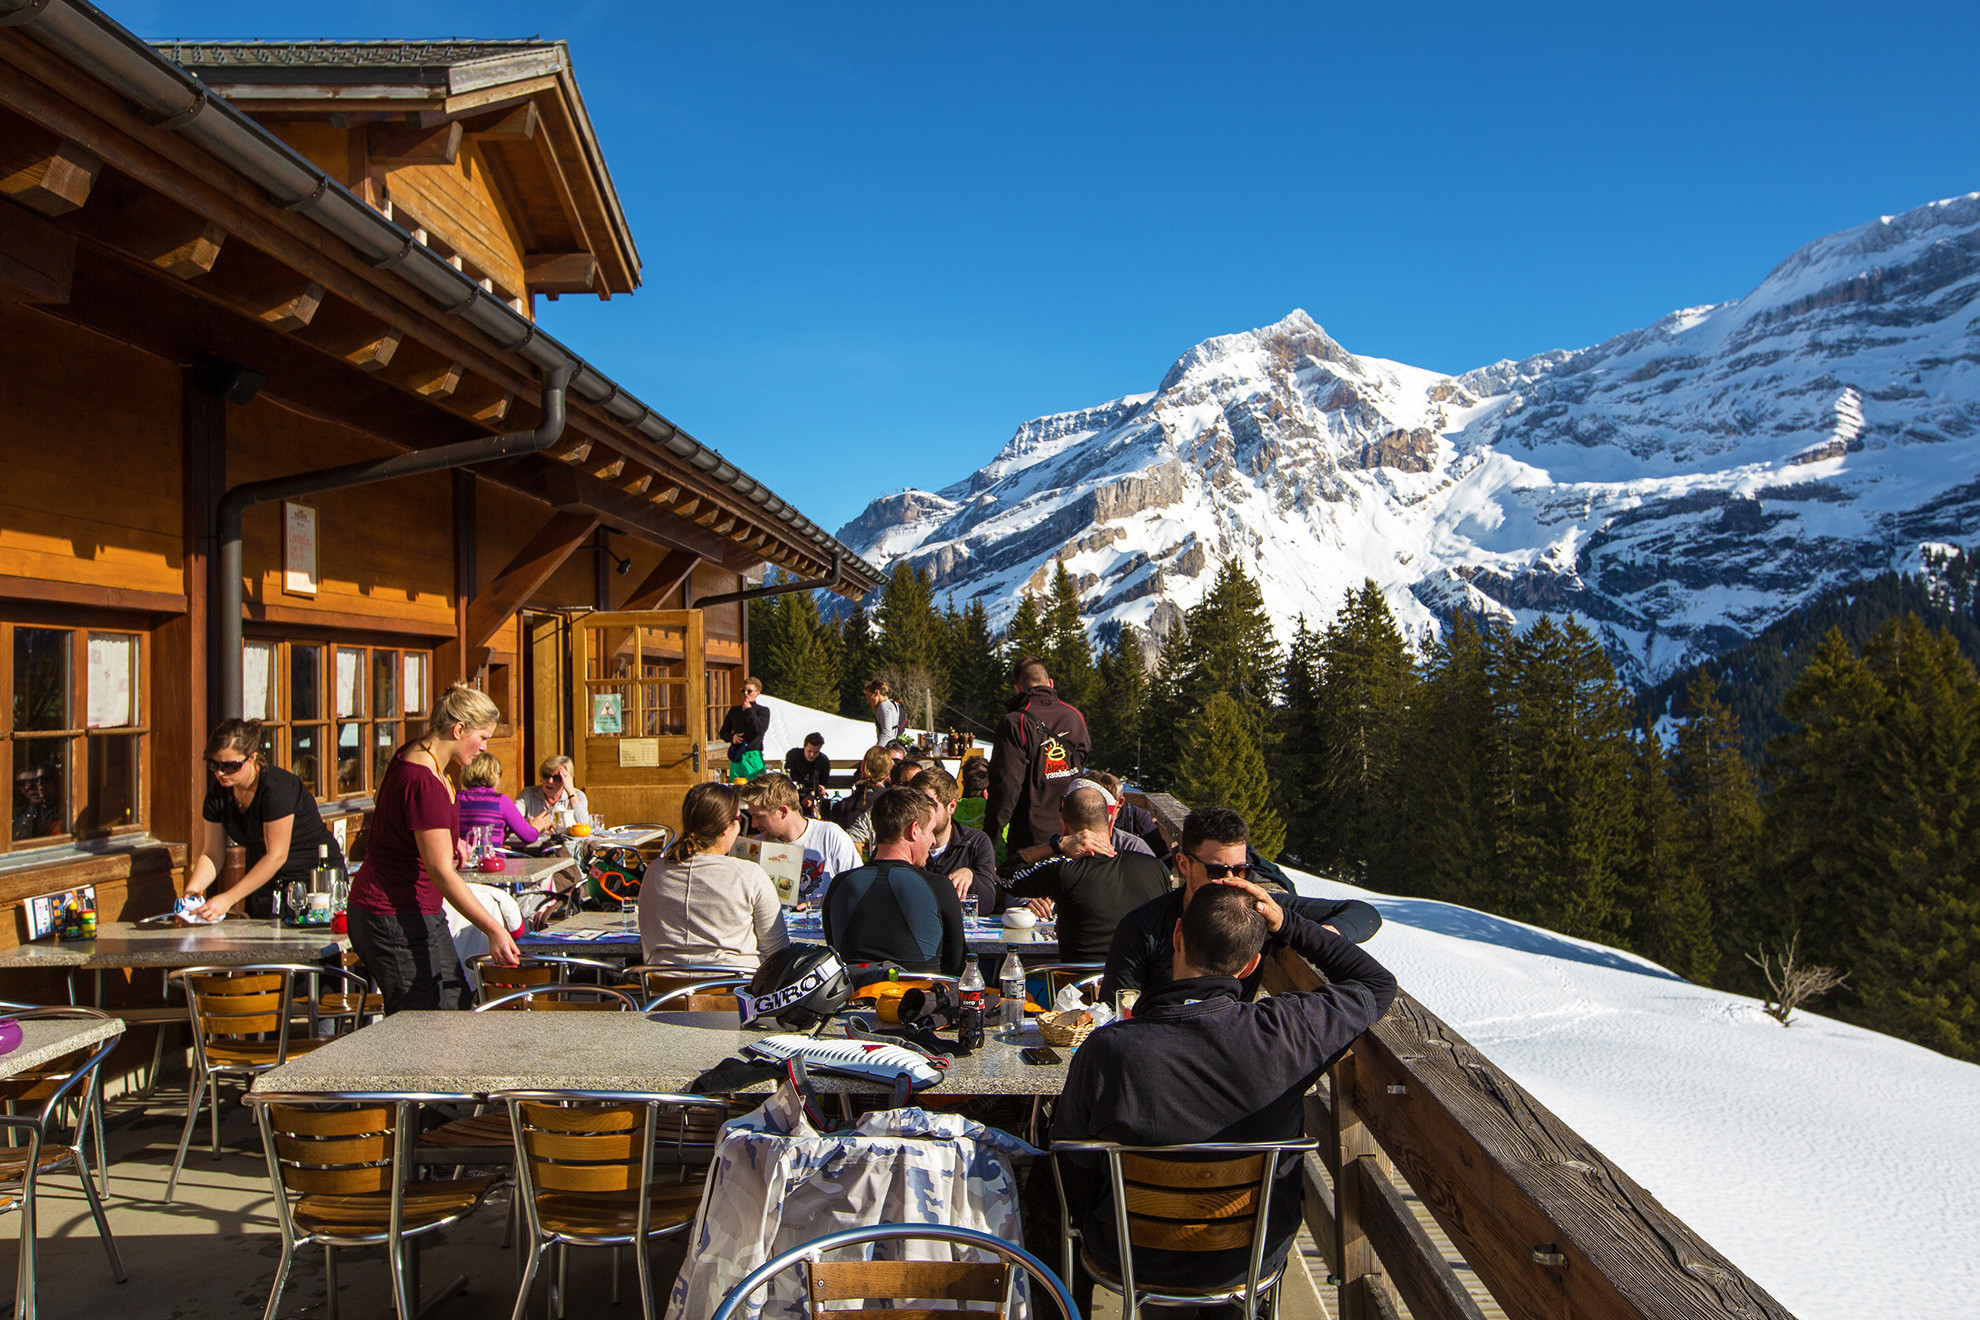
<point>195,1093</point>
<point>24,1285</point>
<point>645,1280</point>
<point>102,1222</point>
<point>563,1280</point>
<point>402,1305</point>
<point>281,1278</point>
<point>531,1258</point>
<point>329,1279</point>
<point>615,1276</point>
<point>102,1146</point>
<point>157,1062</point>
<point>213,1109</point>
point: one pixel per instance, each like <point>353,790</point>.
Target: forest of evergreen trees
<point>1820,786</point>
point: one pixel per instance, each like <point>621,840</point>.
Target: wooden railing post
<point>1353,1253</point>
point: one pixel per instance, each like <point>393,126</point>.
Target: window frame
<point>276,746</point>
<point>78,734</point>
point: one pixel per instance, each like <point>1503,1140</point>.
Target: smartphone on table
<point>1041,1054</point>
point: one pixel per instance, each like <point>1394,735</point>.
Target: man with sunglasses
<point>1214,847</point>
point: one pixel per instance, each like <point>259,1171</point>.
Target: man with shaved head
<point>1094,892</point>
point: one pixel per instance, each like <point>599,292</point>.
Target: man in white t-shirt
<point>469,940</point>
<point>775,816</point>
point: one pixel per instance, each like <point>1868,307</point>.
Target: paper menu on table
<point>784,862</point>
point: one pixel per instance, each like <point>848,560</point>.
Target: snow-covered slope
<point>1680,486</point>
<point>1835,1166</point>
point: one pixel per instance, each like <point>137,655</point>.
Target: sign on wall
<point>607,712</point>
<point>298,549</point>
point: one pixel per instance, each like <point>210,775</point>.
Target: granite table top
<point>526,873</point>
<point>235,941</point>
<point>44,1040</point>
<point>474,1054</point>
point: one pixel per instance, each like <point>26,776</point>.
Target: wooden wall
<point>457,205</point>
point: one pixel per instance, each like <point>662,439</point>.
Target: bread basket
<point>1065,1029</point>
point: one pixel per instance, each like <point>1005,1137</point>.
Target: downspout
<point>227,519</point>
<point>829,582</point>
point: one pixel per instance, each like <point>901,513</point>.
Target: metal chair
<point>22,1166</point>
<point>701,997</point>
<point>585,1173</point>
<point>234,1010</point>
<point>564,998</point>
<point>656,979</point>
<point>340,1167</point>
<point>876,1280</point>
<point>1170,1198</point>
<point>537,970</point>
<point>37,1084</point>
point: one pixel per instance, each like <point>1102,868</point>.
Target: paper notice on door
<point>636,752</point>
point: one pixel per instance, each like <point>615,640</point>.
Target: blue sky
<point>878,237</point>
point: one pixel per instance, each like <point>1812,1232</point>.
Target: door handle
<point>694,753</point>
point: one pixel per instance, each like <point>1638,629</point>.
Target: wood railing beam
<point>44,172</point>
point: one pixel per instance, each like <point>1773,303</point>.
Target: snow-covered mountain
<point>1679,486</point>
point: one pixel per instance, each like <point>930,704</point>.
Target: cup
<point>597,822</point>
<point>319,908</point>
<point>1124,1001</point>
<point>969,907</point>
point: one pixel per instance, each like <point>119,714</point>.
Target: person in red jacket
<point>1040,747</point>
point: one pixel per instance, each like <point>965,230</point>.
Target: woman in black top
<point>266,810</point>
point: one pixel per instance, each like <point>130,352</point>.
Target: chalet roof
<point>430,83</point>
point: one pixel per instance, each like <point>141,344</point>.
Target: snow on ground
<point>845,740</point>
<point>1837,1167</point>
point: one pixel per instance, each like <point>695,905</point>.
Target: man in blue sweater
<point>1197,1064</point>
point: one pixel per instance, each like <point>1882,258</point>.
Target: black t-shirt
<point>889,911</point>
<point>807,773</point>
<point>1093,894</point>
<point>276,794</point>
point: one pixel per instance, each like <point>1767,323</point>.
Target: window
<point>719,699</point>
<point>75,728</point>
<point>333,714</point>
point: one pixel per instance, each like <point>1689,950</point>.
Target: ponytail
<point>706,814</point>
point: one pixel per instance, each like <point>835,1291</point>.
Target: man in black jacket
<point>1195,1064</point>
<point>958,853</point>
<point>809,768</point>
<point>1039,748</point>
<point>1214,847</point>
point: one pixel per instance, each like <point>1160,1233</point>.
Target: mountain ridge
<point>1679,486</point>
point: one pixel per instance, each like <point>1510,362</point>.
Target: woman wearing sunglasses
<point>264,809</point>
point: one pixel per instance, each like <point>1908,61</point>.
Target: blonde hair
<point>755,682</point>
<point>468,707</point>
<point>876,765</point>
<point>772,791</point>
<point>483,771</point>
<point>706,814</point>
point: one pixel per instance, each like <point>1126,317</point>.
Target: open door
<point>639,718</point>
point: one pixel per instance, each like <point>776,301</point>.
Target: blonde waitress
<point>397,924</point>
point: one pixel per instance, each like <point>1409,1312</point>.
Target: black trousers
<point>411,957</point>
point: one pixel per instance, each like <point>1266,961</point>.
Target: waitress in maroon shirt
<point>396,920</point>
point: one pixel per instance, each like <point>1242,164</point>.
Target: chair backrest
<point>1184,1198</point>
<point>658,979</point>
<point>54,1084</point>
<point>712,996</point>
<point>564,998</point>
<point>592,1143</point>
<point>499,979</point>
<point>323,1151</point>
<point>993,1281</point>
<point>1087,976</point>
<point>239,1004</point>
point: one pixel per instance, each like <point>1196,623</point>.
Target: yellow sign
<point>639,752</point>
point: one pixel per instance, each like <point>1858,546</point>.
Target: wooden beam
<point>37,259</point>
<point>517,125</point>
<point>436,381</point>
<point>573,448</point>
<point>611,468</point>
<point>686,508</point>
<point>394,147</point>
<point>637,482</point>
<point>560,272</point>
<point>44,172</point>
<point>575,492</point>
<point>155,230</point>
<point>665,496</point>
<point>666,578</point>
<point>523,575</point>
<point>346,332</point>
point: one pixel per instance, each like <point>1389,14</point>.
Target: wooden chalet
<point>281,436</point>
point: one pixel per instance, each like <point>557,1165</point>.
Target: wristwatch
<point>1058,845</point>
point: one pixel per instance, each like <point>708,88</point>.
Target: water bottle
<point>1010,983</point>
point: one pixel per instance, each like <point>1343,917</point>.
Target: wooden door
<point>639,718</point>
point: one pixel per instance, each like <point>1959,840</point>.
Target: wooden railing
<point>1549,1225</point>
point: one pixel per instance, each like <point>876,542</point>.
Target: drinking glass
<point>597,822</point>
<point>969,907</point>
<point>296,899</point>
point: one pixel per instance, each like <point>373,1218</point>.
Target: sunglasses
<point>223,767</point>
<point>1217,871</point>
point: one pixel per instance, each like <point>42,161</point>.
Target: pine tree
<point>1660,880</point>
<point>1720,832</point>
<point>1222,765</point>
<point>1170,706</point>
<point>1453,774</point>
<point>1296,766</point>
<point>976,672</point>
<point>802,656</point>
<point>1366,681</point>
<point>910,630</point>
<point>766,633</point>
<point>856,663</point>
<point>1068,652</point>
<point>1566,723</point>
<point>1027,634</point>
<point>1115,717</point>
<point>1232,647</point>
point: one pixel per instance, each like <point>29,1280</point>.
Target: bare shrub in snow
<point>1793,982</point>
